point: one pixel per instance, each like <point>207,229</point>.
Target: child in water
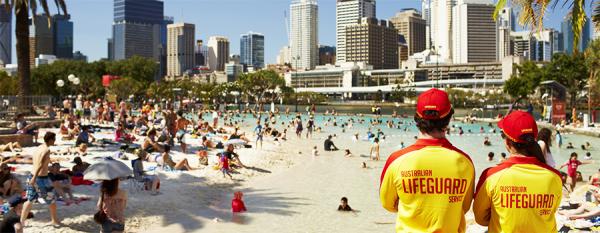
<point>347,153</point>
<point>490,156</point>
<point>344,205</point>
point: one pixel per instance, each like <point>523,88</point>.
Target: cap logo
<point>430,107</point>
<point>526,130</point>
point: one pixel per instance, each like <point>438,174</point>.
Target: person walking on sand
<point>572,164</point>
<point>374,152</point>
<point>39,184</point>
<point>430,183</point>
<point>258,130</point>
<point>522,193</point>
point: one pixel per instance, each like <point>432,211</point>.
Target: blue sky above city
<point>93,21</point>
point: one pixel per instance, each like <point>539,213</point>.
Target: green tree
<point>592,60</point>
<point>524,83</point>
<point>570,71</point>
<point>138,68</point>
<point>9,85</point>
<point>124,87</point>
<point>21,9</point>
<point>260,84</point>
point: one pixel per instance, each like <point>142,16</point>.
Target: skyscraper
<point>374,42</point>
<point>474,32</point>
<point>162,71</point>
<point>136,28</point>
<point>546,44</point>
<point>252,50</point>
<point>218,52</point>
<point>441,27</point>
<point>180,48</point>
<point>5,35</point>
<point>350,12</point>
<point>504,24</point>
<point>426,8</point>
<point>304,30</point>
<point>326,55</point>
<point>568,37</point>
<point>411,26</point>
<point>524,44</point>
<point>63,36</point>
<point>201,53</point>
<point>41,37</point>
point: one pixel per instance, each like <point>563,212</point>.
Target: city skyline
<point>91,32</point>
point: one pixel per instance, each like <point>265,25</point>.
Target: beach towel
<point>78,180</point>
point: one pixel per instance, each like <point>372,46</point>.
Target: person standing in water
<point>430,183</point>
<point>374,151</point>
<point>522,193</point>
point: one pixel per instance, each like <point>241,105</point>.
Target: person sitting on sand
<point>168,161</point>
<point>113,202</point>
<point>10,185</point>
<point>85,137</point>
<point>24,127</point>
<point>232,156</point>
<point>11,146</point>
<point>151,182</point>
<point>150,145</point>
<point>595,179</point>
<point>347,153</point>
<point>79,166</point>
<point>61,183</point>
<point>121,135</point>
<point>344,205</point>
<point>12,219</point>
<point>328,144</point>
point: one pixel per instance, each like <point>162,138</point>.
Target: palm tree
<point>533,11</point>
<point>21,9</point>
<point>592,60</point>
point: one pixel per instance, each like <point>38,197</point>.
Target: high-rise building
<point>41,37</point>
<point>162,71</point>
<point>524,44</point>
<point>546,44</point>
<point>233,71</point>
<point>180,48</point>
<point>504,24</point>
<point>110,49</point>
<point>284,56</point>
<point>201,53</point>
<point>78,56</point>
<point>350,12</point>
<point>374,42</point>
<point>252,50</point>
<point>5,35</point>
<point>568,36</point>
<point>411,25</point>
<point>136,28</point>
<point>304,34</point>
<point>441,28</point>
<point>326,55</point>
<point>474,33</point>
<point>218,52</point>
<point>63,36</point>
<point>426,8</point>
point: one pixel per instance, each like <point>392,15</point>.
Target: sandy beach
<point>286,189</point>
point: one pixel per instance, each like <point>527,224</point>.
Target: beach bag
<point>100,216</point>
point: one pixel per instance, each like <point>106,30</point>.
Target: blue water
<point>405,131</point>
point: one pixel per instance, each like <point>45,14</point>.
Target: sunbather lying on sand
<point>11,146</point>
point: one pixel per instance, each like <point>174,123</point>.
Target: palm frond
<point>62,5</point>
<point>596,15</point>
<point>578,18</point>
<point>499,6</point>
<point>45,7</point>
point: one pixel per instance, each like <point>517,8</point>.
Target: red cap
<point>436,100</point>
<point>517,124</point>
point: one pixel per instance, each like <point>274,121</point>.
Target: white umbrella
<point>107,169</point>
<point>235,142</point>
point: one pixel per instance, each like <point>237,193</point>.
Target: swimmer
<point>490,156</point>
<point>344,205</point>
<point>347,153</point>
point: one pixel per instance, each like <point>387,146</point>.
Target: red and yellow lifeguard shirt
<point>430,185</point>
<point>519,195</point>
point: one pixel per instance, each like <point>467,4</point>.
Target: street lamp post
<point>296,59</point>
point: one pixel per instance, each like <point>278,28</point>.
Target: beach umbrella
<point>235,142</point>
<point>107,169</point>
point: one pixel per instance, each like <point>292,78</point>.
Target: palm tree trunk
<point>22,35</point>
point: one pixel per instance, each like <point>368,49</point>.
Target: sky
<point>231,18</point>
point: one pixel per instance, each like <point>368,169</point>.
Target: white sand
<point>288,191</point>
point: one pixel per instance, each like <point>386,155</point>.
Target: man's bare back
<point>40,160</point>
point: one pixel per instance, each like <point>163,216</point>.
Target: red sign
<point>559,112</point>
<point>106,79</point>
